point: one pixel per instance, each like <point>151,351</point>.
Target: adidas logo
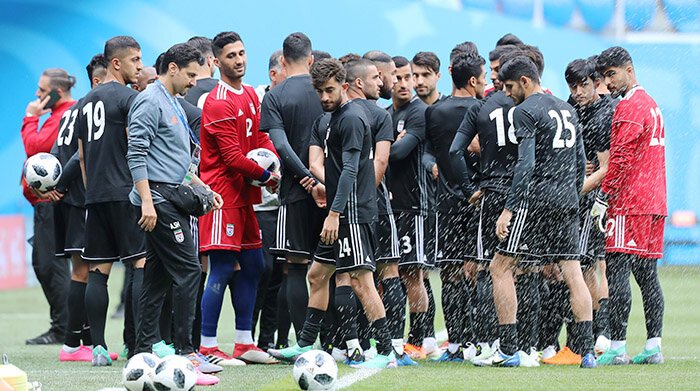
<point>240,112</point>
<point>524,247</point>
<point>631,243</point>
<point>368,259</point>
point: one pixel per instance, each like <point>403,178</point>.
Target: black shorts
<point>299,225</point>
<point>492,204</point>
<point>387,240</point>
<point>409,227</point>
<point>592,241</point>
<point>353,250</point>
<point>456,238</point>
<point>430,226</point>
<point>112,233</point>
<point>542,233</point>
<point>69,229</point>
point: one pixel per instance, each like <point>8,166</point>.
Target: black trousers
<point>171,263</point>
<point>53,273</point>
<point>270,281</point>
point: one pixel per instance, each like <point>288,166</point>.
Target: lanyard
<point>179,112</point>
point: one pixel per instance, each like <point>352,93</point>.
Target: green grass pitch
<point>24,314</point>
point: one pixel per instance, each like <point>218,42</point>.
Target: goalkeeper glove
<point>599,209</point>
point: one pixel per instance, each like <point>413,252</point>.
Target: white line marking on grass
<point>112,389</point>
<point>358,375</point>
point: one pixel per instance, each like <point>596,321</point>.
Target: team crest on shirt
<point>399,126</point>
<point>229,230</point>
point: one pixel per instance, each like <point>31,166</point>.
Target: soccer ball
<point>266,159</point>
<point>315,370</point>
<point>175,373</point>
<point>139,371</point>
<point>42,171</point>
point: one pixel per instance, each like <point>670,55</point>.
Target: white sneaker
<point>602,345</point>
<point>535,355</point>
<point>469,351</point>
<point>495,356</point>
<point>548,352</point>
<point>526,360</point>
<point>486,352</point>
<point>431,349</point>
<point>339,355</point>
<point>370,353</point>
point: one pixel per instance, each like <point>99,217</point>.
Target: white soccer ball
<point>315,370</point>
<point>139,371</point>
<point>42,171</point>
<point>265,159</point>
<point>175,373</point>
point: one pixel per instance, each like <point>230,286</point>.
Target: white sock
<point>89,346</point>
<point>69,349</point>
<point>352,345</point>
<point>652,343</point>
<point>614,345</point>
<point>209,342</point>
<point>397,344</point>
<point>452,347</point>
<point>430,342</point>
<point>244,337</point>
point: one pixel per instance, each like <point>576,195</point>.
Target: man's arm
<point>316,161</point>
<point>465,135</point>
<point>81,157</point>
<point>381,160</point>
<point>71,171</point>
<point>289,158</point>
<point>596,178</point>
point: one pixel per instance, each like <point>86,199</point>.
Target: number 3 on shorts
<point>406,246</point>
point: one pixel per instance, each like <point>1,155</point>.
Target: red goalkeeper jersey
<point>636,177</point>
<point>230,129</point>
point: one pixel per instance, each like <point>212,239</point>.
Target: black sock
<point>528,291</point>
<point>620,291</point>
<point>485,323</point>
<point>329,325</point>
<point>364,329</point>
<point>197,323</point>
<point>381,332</point>
<point>136,287</point>
<point>453,309</point>
<point>76,313</point>
<point>647,277</point>
<point>508,334</point>
<point>581,337</point>
<point>601,320</point>
<point>346,312</point>
<point>297,295</point>
<point>394,298</point>
<point>467,315</point>
<point>283,320</point>
<point>552,314</point>
<point>312,326</point>
<point>413,320</point>
<point>430,315</point>
<point>96,303</point>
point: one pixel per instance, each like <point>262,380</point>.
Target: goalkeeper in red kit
<point>633,195</point>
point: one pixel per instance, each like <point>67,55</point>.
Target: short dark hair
<point>464,67</point>
<point>377,56</point>
<point>274,62</point>
<point>326,69</point>
<point>615,56</point>
<point>517,67</point>
<point>320,55</point>
<point>509,39</point>
<point>349,57</point>
<point>356,68</point>
<point>203,44</point>
<point>400,61</point>
<point>182,54</point>
<point>222,39</point>
<point>296,47</point>
<point>427,59</point>
<point>535,55</point>
<point>115,45</point>
<point>59,78</point>
<point>468,47</point>
<point>159,64</point>
<point>499,51</point>
<point>96,62</point>
<point>579,70</point>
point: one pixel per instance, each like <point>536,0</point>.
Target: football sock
<point>430,320</point>
<point>85,334</point>
<point>485,323</point>
<point>209,342</point>
<point>70,349</point>
<point>244,337</point>
<point>452,347</point>
<point>353,344</point>
<point>394,298</point>
<point>553,295</point>
<point>620,294</point>
<point>312,326</point>
<point>413,320</point>
<point>96,303</point>
<point>508,335</point>
<point>397,344</point>
<point>581,337</point>
<point>246,287</point>
<point>221,267</point>
<point>76,313</point>
<point>382,336</point>
<point>528,315</point>
<point>467,314</point>
<point>453,309</point>
<point>647,277</point>
<point>136,287</point>
<point>284,323</point>
<point>600,319</point>
<point>297,295</point>
<point>346,313</point>
<point>197,323</point>
<point>129,332</point>
<point>652,343</point>
<point>330,326</point>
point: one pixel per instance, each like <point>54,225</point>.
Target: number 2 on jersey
<point>559,142</point>
<point>501,126</point>
<point>95,118</point>
<point>657,139</point>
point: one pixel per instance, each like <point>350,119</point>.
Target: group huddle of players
<point>503,188</point>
